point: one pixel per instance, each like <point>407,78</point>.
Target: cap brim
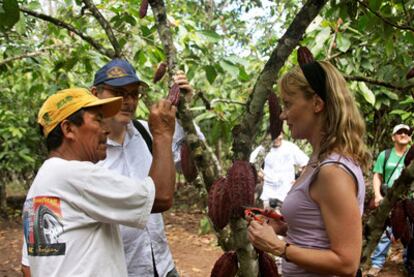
<point>110,106</point>
<point>127,80</point>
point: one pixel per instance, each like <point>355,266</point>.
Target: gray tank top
<point>306,226</point>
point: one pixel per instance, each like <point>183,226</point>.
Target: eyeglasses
<point>121,92</point>
<point>403,131</point>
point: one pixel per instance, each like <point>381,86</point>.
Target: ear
<point>67,129</point>
<point>94,91</point>
<point>319,104</point>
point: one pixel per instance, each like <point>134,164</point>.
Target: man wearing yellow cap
<point>73,208</point>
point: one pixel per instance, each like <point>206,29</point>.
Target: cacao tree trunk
<point>3,199</point>
<point>374,226</point>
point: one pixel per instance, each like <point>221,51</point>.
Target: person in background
<point>387,169</point>
<point>326,201</point>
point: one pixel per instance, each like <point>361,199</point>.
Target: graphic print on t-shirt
<point>43,226</point>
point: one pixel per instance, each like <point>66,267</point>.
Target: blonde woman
<point>323,209</point>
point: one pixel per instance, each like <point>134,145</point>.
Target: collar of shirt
<point>130,132</point>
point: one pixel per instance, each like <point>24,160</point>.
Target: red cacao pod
<point>275,110</point>
<point>174,94</point>
<point>143,9</point>
<point>241,182</point>
<point>409,209</point>
<point>304,55</point>
<point>409,157</point>
<point>226,266</point>
<point>187,163</point>
<point>410,74</point>
<point>399,223</point>
<point>162,68</point>
<point>219,206</point>
<point>267,265</point>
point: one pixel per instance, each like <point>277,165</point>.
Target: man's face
<point>90,137</point>
<point>130,95</point>
<point>402,137</point>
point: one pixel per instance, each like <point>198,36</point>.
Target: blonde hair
<point>343,127</point>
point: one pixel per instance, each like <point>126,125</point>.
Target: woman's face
<point>300,114</point>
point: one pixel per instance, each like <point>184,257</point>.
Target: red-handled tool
<point>256,212</point>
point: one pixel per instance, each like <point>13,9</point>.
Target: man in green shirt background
<point>387,169</point>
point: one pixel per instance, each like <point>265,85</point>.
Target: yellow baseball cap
<point>64,103</point>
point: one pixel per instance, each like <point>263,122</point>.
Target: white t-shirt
<point>279,169</point>
<point>71,216</point>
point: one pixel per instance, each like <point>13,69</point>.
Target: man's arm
<point>26,271</point>
<point>161,124</point>
<point>376,184</point>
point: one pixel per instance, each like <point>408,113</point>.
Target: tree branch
<point>245,133</point>
<point>205,160</point>
<point>106,52</point>
<point>31,54</point>
<point>378,83</point>
<point>374,227</point>
<point>389,22</point>
<point>105,25</point>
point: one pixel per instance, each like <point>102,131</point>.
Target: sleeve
<point>255,153</point>
<point>109,197</point>
<point>25,256</point>
<point>300,158</point>
<point>379,163</point>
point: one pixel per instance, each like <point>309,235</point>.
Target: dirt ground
<point>193,254</point>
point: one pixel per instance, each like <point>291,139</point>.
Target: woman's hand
<point>263,237</point>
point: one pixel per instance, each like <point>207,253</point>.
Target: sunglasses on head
<point>403,131</point>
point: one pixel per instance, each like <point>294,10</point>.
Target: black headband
<point>316,77</point>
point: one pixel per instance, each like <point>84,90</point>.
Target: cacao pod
<point>226,266</point>
<point>174,94</point>
<point>304,55</point>
<point>143,9</point>
<point>267,265</point>
<point>162,68</point>
<point>409,157</point>
<point>241,183</point>
<point>410,74</point>
<point>187,163</point>
<point>219,205</point>
<point>275,110</point>
<point>399,223</point>
<point>409,209</point>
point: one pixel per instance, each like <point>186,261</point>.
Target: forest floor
<point>193,253</point>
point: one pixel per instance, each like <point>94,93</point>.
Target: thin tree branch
<point>32,54</point>
<point>106,52</point>
<point>389,22</point>
<point>105,25</point>
<point>378,83</point>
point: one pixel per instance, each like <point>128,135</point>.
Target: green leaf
<point>230,68</point>
<point>11,13</point>
<point>211,36</point>
<point>211,73</point>
<point>343,43</point>
<point>375,4</point>
<point>368,95</point>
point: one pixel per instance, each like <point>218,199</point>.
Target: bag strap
<point>144,133</point>
<point>392,172</point>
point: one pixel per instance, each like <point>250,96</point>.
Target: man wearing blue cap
<point>129,153</point>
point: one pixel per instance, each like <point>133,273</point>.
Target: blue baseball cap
<point>117,73</point>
